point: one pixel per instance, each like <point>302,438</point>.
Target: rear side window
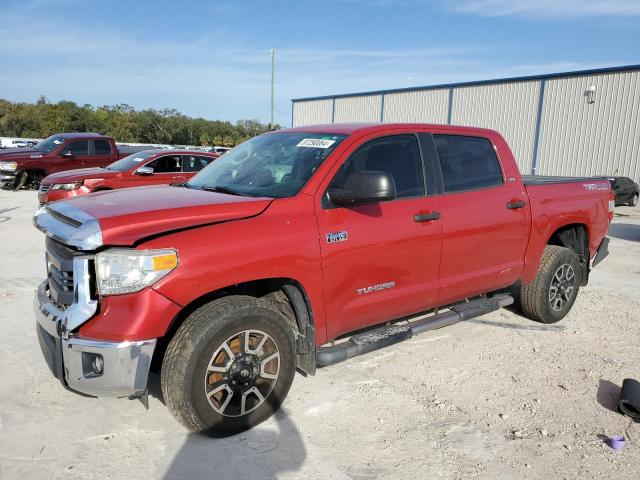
<point>397,155</point>
<point>193,163</point>
<point>102,147</point>
<point>78,149</point>
<point>467,163</point>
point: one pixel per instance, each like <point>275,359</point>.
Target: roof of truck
<point>81,135</point>
<point>349,128</point>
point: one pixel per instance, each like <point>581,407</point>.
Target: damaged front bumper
<point>91,367</point>
<point>8,178</point>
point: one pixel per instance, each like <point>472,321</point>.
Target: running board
<point>388,335</point>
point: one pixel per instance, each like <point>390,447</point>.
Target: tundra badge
<point>376,288</point>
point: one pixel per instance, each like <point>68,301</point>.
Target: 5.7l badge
<point>335,237</point>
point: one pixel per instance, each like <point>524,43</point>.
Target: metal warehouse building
<point>574,123</point>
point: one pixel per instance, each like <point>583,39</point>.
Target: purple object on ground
<point>616,442</point>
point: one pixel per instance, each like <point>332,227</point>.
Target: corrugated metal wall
<point>574,137</point>
<point>427,106</point>
<point>366,108</point>
<point>509,108</point>
<point>601,138</point>
<point>312,112</point>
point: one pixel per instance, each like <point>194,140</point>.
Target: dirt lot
<point>496,397</point>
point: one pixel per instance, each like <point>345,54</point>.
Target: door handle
<point>516,204</point>
<point>426,217</point>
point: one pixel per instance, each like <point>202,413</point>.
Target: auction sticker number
<point>315,143</point>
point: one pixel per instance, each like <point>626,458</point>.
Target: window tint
<point>167,164</point>
<point>193,163</point>
<point>397,155</point>
<point>102,147</point>
<point>467,163</point>
<point>78,149</point>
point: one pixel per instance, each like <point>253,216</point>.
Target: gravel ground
<point>495,397</point>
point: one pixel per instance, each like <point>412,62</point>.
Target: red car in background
<point>149,167</point>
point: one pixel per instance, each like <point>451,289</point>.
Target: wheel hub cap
<point>242,373</point>
<point>562,287</point>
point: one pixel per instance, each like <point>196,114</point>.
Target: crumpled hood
<point>128,215</point>
<point>78,175</point>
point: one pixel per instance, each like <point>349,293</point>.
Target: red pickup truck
<point>65,151</point>
<point>148,167</point>
<point>270,258</point>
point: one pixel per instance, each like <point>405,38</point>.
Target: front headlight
<point>66,186</point>
<point>8,166</point>
<point>121,271</point>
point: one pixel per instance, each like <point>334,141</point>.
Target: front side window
<point>102,147</point>
<point>396,155</point>
<point>78,149</point>
<point>275,165</point>
<point>166,164</point>
<point>467,163</point>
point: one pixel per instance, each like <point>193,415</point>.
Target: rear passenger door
<point>485,219</point>
<point>100,154</point>
<point>380,261</point>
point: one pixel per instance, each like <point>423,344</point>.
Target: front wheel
<point>229,366</point>
<point>551,295</point>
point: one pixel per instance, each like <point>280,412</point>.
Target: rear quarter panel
<point>557,205</point>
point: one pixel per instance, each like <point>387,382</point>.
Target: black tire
<point>536,299</point>
<point>185,369</point>
<point>634,200</point>
<point>32,180</point>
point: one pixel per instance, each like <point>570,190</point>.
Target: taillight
<point>612,205</point>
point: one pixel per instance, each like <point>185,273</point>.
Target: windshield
<point>48,145</point>
<point>273,165</point>
<point>127,163</point>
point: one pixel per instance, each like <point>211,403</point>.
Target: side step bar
<point>388,335</point>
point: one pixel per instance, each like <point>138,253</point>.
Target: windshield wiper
<point>219,189</point>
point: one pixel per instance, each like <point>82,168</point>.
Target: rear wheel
<point>634,200</point>
<point>229,366</point>
<point>551,295</point>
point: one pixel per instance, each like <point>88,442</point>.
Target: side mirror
<point>66,153</point>
<point>364,188</point>
<point>145,171</point>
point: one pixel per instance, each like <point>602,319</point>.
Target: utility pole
<point>273,77</point>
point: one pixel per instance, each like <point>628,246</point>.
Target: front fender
<point>282,242</point>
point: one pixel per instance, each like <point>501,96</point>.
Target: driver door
<point>71,156</point>
<point>381,261</point>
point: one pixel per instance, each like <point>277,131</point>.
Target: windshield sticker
<point>137,160</point>
<point>58,142</point>
<point>315,143</point>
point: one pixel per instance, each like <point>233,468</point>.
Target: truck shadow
<point>625,231</point>
<point>260,453</point>
<point>513,326</point>
<point>263,452</point>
